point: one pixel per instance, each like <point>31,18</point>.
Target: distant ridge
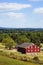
<point>21,29</point>
<point>18,28</point>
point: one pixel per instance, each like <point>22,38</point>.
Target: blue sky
<point>21,13</point>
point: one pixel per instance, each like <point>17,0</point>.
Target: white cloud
<point>11,19</point>
<point>12,14</point>
<point>38,10</point>
<point>17,15</point>
<point>13,6</point>
<point>35,0</point>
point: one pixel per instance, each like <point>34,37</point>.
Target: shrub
<point>23,58</point>
<point>11,55</point>
<point>36,58</point>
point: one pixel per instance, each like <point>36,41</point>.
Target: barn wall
<point>32,48</point>
<point>22,50</point>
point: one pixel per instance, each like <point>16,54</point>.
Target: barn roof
<point>25,45</point>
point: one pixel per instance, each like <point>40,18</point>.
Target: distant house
<point>28,48</point>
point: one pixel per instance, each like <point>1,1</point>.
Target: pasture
<point>5,60</point>
<point>9,61</point>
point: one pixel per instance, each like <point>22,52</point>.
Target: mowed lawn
<point>9,61</point>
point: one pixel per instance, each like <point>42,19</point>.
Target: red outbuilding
<point>28,48</point>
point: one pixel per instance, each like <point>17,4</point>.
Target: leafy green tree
<point>3,35</point>
<point>22,39</point>
<point>8,42</point>
<point>35,39</point>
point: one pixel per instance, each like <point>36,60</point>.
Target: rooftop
<point>25,45</point>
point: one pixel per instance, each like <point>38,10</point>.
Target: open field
<point>41,45</point>
<point>2,46</point>
<point>40,55</point>
<point>9,61</point>
<point>15,52</point>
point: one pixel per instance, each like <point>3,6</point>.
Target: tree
<point>35,39</point>
<point>22,39</point>
<point>8,42</point>
<point>3,35</point>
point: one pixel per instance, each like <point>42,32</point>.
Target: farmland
<point>15,57</point>
<point>7,61</point>
<point>9,54</point>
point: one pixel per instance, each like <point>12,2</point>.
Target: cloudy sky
<point>21,13</point>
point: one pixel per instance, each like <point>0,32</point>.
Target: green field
<point>2,46</point>
<point>9,61</point>
<point>4,60</point>
<point>42,45</point>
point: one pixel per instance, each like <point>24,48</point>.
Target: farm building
<point>28,48</point>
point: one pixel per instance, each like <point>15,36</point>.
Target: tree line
<point>19,37</point>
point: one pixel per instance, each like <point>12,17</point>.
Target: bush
<point>23,58</point>
<point>36,58</point>
<point>3,53</point>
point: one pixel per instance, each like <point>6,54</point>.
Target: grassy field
<point>9,61</point>
<point>42,45</point>
<point>40,55</point>
<point>2,46</point>
<point>14,51</point>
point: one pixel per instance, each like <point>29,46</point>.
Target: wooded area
<point>12,37</point>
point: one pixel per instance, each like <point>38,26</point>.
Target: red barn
<point>28,48</point>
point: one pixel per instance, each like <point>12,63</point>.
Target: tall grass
<point>9,61</point>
